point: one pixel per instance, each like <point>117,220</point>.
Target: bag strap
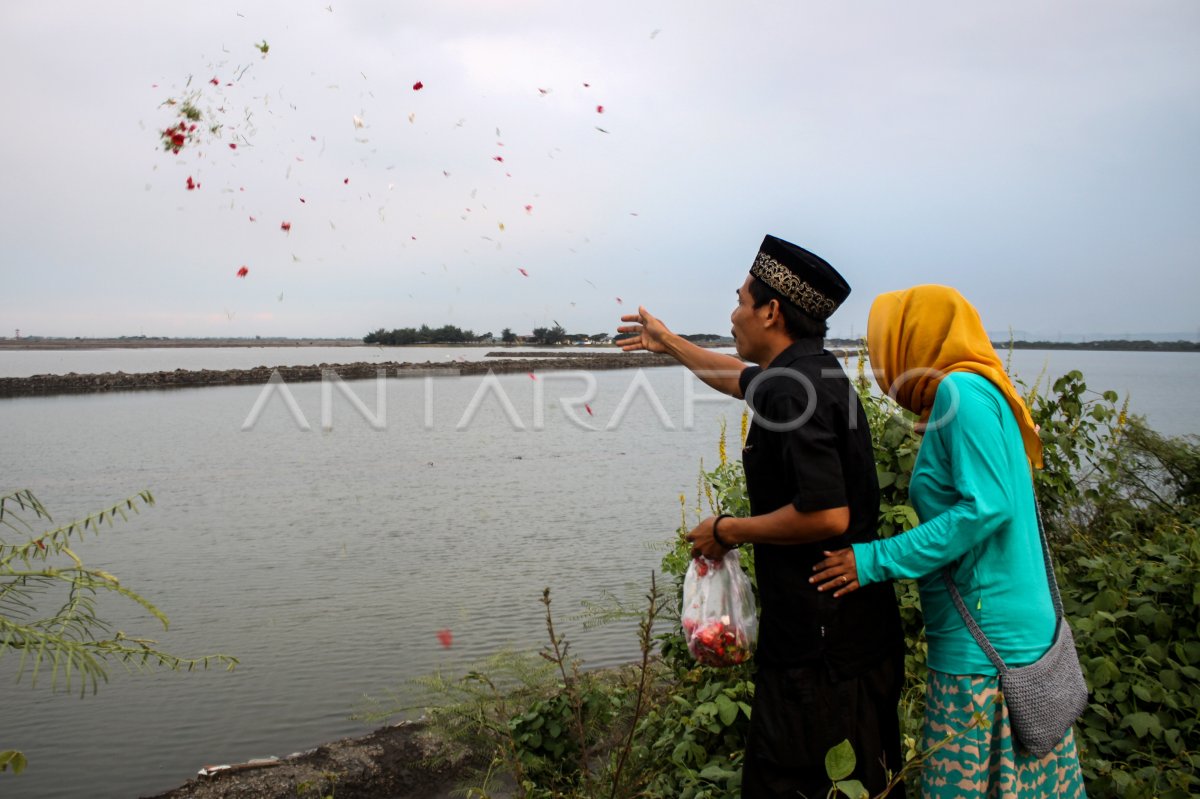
<point>969,620</point>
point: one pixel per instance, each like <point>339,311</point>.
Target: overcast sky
<point>1044,158</point>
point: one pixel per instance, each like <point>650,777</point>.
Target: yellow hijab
<point>924,333</point>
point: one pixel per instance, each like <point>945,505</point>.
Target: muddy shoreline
<point>402,761</point>
<point>72,383</point>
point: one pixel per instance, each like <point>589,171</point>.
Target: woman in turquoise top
<point>973,493</point>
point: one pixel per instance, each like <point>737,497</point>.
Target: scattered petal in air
<point>303,200</point>
<point>587,85</point>
<point>529,209</point>
<point>41,544</point>
<point>191,184</point>
<point>346,181</point>
<point>444,172</point>
<point>522,271</point>
<point>620,301</point>
<point>214,81</point>
<point>252,219</point>
<point>412,118</point>
<point>602,130</point>
<point>446,637</point>
<point>588,408</point>
<point>532,376</point>
<point>232,145</point>
<point>501,227</point>
<point>543,92</point>
<point>599,109</point>
<point>358,121</point>
<point>286,227</point>
<point>243,272</point>
<point>418,86</point>
<point>499,158</point>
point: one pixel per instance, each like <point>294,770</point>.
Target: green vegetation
<point>447,334</point>
<point>48,604</point>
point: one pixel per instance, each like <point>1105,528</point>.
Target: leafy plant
<point>39,570</point>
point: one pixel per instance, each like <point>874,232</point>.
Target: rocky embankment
<point>72,383</point>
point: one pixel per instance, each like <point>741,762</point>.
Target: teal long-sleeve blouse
<point>972,491</point>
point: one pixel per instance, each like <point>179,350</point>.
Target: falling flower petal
<point>529,209</point>
<point>214,81</point>
<point>252,218</point>
<point>418,86</point>
<point>232,145</point>
<point>599,109</point>
<point>587,85</point>
<point>620,301</point>
<point>499,158</point>
<point>191,184</point>
<point>346,181</point>
<point>588,408</point>
<point>446,637</point>
<point>543,92</point>
<point>243,272</point>
<point>303,200</point>
<point>501,227</point>
<point>286,227</point>
<point>358,121</point>
<point>532,376</point>
<point>522,271</point>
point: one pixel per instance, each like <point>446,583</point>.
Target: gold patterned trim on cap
<point>792,286</point>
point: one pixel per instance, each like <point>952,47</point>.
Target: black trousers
<point>800,714</point>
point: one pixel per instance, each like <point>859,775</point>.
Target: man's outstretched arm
<point>648,333</point>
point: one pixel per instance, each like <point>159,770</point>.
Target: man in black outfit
<point>827,669</point>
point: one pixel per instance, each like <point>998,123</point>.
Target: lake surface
<point>328,559</point>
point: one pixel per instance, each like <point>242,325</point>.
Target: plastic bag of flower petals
<point>719,621</point>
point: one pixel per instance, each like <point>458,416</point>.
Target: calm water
<point>327,560</point>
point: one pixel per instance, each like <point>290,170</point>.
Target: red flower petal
<point>418,86</point>
<point>243,272</point>
<point>346,181</point>
<point>446,637</point>
<point>286,227</point>
<point>498,158</point>
<point>532,376</point>
<point>214,81</point>
<point>302,199</point>
<point>522,271</point>
<point>599,109</point>
<point>588,408</point>
<point>529,209</point>
<point>252,218</point>
<point>232,145</point>
<point>191,184</point>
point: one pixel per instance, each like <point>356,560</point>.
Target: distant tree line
<point>449,334</point>
<point>1140,345</point>
<point>446,334</point>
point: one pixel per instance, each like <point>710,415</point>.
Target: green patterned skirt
<point>984,762</point>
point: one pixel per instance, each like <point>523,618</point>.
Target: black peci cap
<point>805,279</point>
